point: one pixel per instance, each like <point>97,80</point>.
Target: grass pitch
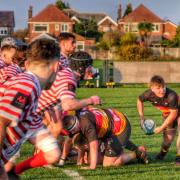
<point>123,99</point>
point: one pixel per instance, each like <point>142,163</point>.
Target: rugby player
<point>18,102</point>
<point>7,67</point>
<point>166,100</point>
<point>111,127</point>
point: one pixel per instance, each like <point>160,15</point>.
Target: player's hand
<point>158,130</point>
<point>95,100</point>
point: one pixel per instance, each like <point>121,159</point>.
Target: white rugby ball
<point>149,126</point>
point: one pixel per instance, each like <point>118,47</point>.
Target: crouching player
<point>166,100</point>
<point>18,102</point>
<point>112,128</point>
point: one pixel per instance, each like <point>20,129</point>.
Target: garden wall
<point>141,72</point>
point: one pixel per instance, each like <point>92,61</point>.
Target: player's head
<point>42,59</point>
<point>8,49</point>
<point>71,124</point>
<point>157,85</point>
<point>67,43</point>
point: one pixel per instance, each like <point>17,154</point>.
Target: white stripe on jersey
<point>58,91</point>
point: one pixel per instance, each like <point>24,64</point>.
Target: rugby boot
<point>141,155</point>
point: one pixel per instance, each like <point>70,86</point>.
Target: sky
<point>165,9</point>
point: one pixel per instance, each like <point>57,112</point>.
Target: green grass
<point>124,99</point>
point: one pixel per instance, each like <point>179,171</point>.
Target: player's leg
<point>168,137</point>
<point>178,144</point>
<point>49,151</point>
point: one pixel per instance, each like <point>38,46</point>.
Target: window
<point>126,28</point>
<point>56,27</point>
<point>80,46</point>
<point>64,28</point>
<point>106,29</point>
<point>134,28</point>
<point>40,28</point>
<point>156,28</point>
<point>3,31</point>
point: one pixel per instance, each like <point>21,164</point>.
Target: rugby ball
<point>149,126</point>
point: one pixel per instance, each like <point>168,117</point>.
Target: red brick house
<point>7,23</point>
<point>162,29</point>
<point>50,20</point>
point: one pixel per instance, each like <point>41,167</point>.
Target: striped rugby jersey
<point>8,71</point>
<point>63,87</point>
<point>103,121</point>
<point>18,101</point>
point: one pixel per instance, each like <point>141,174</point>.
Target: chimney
<point>119,12</point>
<point>30,12</point>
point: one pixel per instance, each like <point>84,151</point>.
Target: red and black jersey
<point>164,104</point>
<point>100,123</point>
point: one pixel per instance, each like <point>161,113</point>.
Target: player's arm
<point>140,108</point>
<point>3,125</point>
<point>169,120</point>
<point>93,153</point>
<point>74,104</point>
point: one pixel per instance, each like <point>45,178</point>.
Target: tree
<point>176,40</point>
<point>109,40</point>
<point>62,5</point>
<point>128,9</point>
<point>145,30</point>
<point>87,28</point>
<point>128,39</point>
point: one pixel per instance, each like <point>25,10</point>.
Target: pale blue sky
<point>169,9</point>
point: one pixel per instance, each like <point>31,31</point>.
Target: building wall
<point>141,72</point>
<point>169,30</point>
<point>52,30</point>
<point>106,26</point>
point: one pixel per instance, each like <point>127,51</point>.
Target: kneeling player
<point>110,126</point>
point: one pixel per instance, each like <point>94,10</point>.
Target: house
<point>104,22</point>
<point>162,29</point>
<point>50,20</point>
<point>7,23</point>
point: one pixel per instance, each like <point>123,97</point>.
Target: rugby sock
<point>131,146</point>
<point>37,160</point>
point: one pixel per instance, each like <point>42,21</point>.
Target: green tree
<point>145,30</point>
<point>87,28</point>
<point>109,40</point>
<point>128,39</point>
<point>128,9</point>
<point>62,5</point>
<point>176,40</point>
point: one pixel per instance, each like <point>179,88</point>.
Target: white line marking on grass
<point>74,174</point>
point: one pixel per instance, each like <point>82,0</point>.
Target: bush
<point>133,53</point>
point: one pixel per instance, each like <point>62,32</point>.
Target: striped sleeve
<point>64,85</point>
<point>15,100</point>
<point>8,72</point>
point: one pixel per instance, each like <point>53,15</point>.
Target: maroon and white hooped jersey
<point>8,71</point>
<point>18,102</point>
<point>63,87</point>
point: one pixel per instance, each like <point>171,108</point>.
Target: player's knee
<point>52,156</point>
